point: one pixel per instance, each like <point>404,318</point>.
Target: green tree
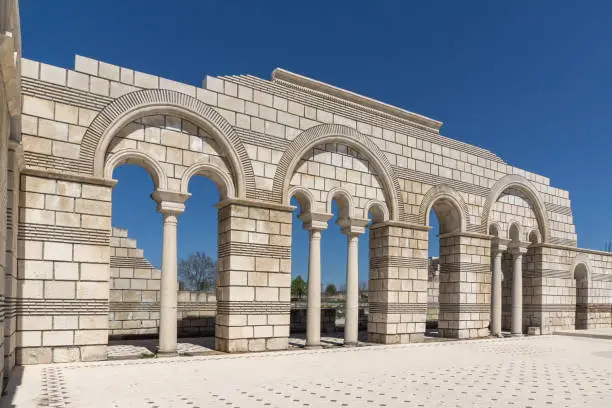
<point>331,290</point>
<point>298,287</point>
<point>197,272</point>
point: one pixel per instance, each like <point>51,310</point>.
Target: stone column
<point>496,301</point>
<point>352,228</point>
<point>314,223</point>
<point>170,205</point>
<point>351,312</point>
<point>517,291</point>
<point>313,315</point>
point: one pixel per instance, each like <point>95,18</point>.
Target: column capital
<point>170,202</point>
<point>315,220</point>
<point>518,248</point>
<point>499,245</point>
<point>352,227</point>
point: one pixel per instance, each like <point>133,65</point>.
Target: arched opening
<point>445,220</point>
<point>134,263</point>
<point>197,242</point>
<point>582,297</point>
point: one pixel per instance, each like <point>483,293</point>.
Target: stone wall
<point>262,142</point>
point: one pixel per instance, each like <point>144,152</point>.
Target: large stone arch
<point>522,184</point>
<point>146,102</point>
<point>333,133</point>
<point>443,192</point>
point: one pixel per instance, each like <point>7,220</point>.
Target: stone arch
<point>522,184</point>
<point>495,230</point>
<point>133,105</point>
<point>440,194</point>
<point>139,158</point>
<point>515,231</point>
<point>380,212</point>
<point>346,204</point>
<point>534,236</point>
<point>304,197</point>
<point>581,259</point>
<point>215,173</point>
<point>330,133</point>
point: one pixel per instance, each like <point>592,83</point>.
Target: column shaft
<point>169,287</point>
<point>517,295</point>
<point>496,317</point>
<point>351,313</point>
<point>313,315</point>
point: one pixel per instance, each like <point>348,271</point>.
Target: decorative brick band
<point>57,233</point>
<point>259,139</point>
<point>464,267</point>
<point>601,277</point>
<point>55,307</point>
<point>154,306</point>
<point>397,308</point>
<point>558,209</point>
<point>596,308</point>
<point>550,273</point>
<point>549,308</point>
<point>44,161</point>
<point>397,261</point>
<point>249,308</point>
<point>246,249</point>
<point>129,262</point>
<point>58,93</point>
<point>562,241</point>
<point>465,307</point>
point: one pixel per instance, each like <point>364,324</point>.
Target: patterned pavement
<point>546,371</point>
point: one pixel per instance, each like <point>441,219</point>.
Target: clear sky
<point>530,81</point>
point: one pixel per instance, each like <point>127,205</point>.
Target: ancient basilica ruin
<point>508,253</point>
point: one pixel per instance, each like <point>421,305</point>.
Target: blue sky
<point>530,81</point>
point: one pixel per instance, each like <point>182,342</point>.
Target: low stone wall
<point>134,296</point>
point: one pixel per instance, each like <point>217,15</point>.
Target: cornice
<point>316,87</point>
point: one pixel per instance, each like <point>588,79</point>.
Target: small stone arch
<point>581,259</point>
<point>139,158</point>
<point>380,212</point>
<point>216,174</point>
<point>444,194</point>
<point>522,184</point>
<point>333,133</point>
<point>346,207</point>
<point>534,237</point>
<point>495,230</point>
<point>515,231</point>
<point>304,197</point>
<point>133,105</point>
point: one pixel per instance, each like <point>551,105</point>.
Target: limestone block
<point>86,337</point>
<point>94,272</point>
<point>58,338</point>
<point>93,322</point>
<point>65,322</point>
<point>91,253</point>
<point>67,188</point>
<point>33,355</point>
<point>30,269</point>
<point>66,354</point>
<point>92,290</point>
<point>57,251</point>
<point>78,80</point>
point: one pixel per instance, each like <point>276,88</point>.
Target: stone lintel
<point>516,248</point>
<point>254,203</point>
<point>77,178</point>
<point>315,220</point>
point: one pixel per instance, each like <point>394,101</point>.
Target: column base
<point>313,346</point>
<point>350,344</point>
<point>167,353</point>
<point>517,334</point>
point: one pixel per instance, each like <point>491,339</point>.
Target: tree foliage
<point>298,287</point>
<point>331,290</point>
<point>197,272</point>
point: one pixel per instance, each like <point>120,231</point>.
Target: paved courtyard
<point>551,371</point>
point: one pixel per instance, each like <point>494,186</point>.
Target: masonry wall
<point>259,141</point>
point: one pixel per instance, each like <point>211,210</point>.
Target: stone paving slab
<point>604,333</point>
<point>545,371</point>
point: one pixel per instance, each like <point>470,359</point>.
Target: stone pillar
<point>496,296</point>
<point>465,285</point>
<point>351,312</point>
<point>517,291</point>
<point>253,276</point>
<point>397,292</point>
<point>170,205</point>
